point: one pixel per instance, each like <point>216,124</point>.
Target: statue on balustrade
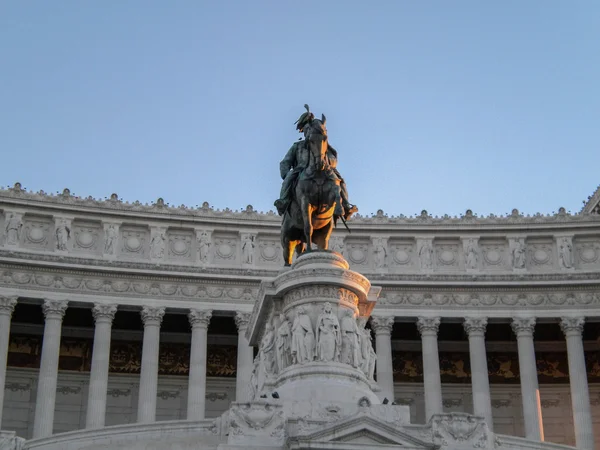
<point>284,344</point>
<point>349,329</point>
<point>313,194</point>
<point>303,338</point>
<point>328,335</point>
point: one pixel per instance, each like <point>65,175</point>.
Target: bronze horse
<point>316,200</point>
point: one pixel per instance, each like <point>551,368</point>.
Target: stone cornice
<point>20,198</point>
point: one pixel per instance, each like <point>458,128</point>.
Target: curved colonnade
<point>65,252</point>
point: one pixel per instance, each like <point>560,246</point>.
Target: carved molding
<point>523,326</point>
<point>572,325</point>
<point>198,317</point>
<point>66,390</point>
<point>382,324</point>
<point>104,312</point>
<point>152,316</point>
<point>16,387</point>
<point>241,320</point>
<point>428,325</point>
<point>54,309</point>
<point>475,326</point>
<point>7,305</point>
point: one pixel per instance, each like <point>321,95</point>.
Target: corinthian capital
<point>241,320</point>
<point>199,317</point>
<point>475,325</point>
<point>7,305</point>
<point>428,325</point>
<point>104,312</point>
<point>150,315</point>
<point>382,324</point>
<point>572,325</point>
<point>523,325</point>
<point>54,309</point>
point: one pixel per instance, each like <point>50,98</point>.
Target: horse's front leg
<point>307,219</point>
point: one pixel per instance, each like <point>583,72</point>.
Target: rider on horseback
<point>296,160</point>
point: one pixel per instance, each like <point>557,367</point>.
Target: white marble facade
<point>60,250</point>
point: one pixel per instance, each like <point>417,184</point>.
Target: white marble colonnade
<point>523,327</point>
<point>475,327</point>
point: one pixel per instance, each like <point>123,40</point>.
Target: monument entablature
<point>61,246</point>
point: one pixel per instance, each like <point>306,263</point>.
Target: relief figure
<point>13,229</point>
<point>110,244</point>
<point>248,249</point>
<point>426,255</point>
<point>63,234</point>
<point>565,251</point>
<point>518,254</point>
<point>350,348</point>
<point>284,344</point>
<point>303,338</point>
<point>328,335</point>
<point>267,350</point>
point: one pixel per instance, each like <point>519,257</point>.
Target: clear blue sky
<point>437,105</point>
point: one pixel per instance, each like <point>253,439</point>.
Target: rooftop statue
<point>313,195</point>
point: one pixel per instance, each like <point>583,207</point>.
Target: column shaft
<point>480,382</point>
<point>382,326</point>
<point>530,393</point>
<point>96,406</point>
<point>580,396</point>
<point>7,306</point>
<point>152,318</point>
<point>428,327</point>
<point>245,358</point>
<point>199,321</point>
<point>43,422</point>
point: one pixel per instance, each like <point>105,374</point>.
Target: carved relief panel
<point>357,252</point>
<point>269,250</point>
<point>37,232</point>
<point>180,246</point>
<point>447,254</point>
<point>87,237</point>
<point>494,254</point>
<point>401,255</point>
<point>540,254</point>
<point>587,251</point>
<point>225,248</point>
<point>134,241</point>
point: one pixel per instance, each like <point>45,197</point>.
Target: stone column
<point>7,306</point>
<point>572,327</point>
<point>199,320</point>
<point>96,405</point>
<point>428,327</point>
<point>530,393</point>
<point>480,382</point>
<point>152,318</point>
<point>382,325</point>
<point>54,311</point>
<point>245,358</point>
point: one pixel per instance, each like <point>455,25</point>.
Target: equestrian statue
<point>313,194</point>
